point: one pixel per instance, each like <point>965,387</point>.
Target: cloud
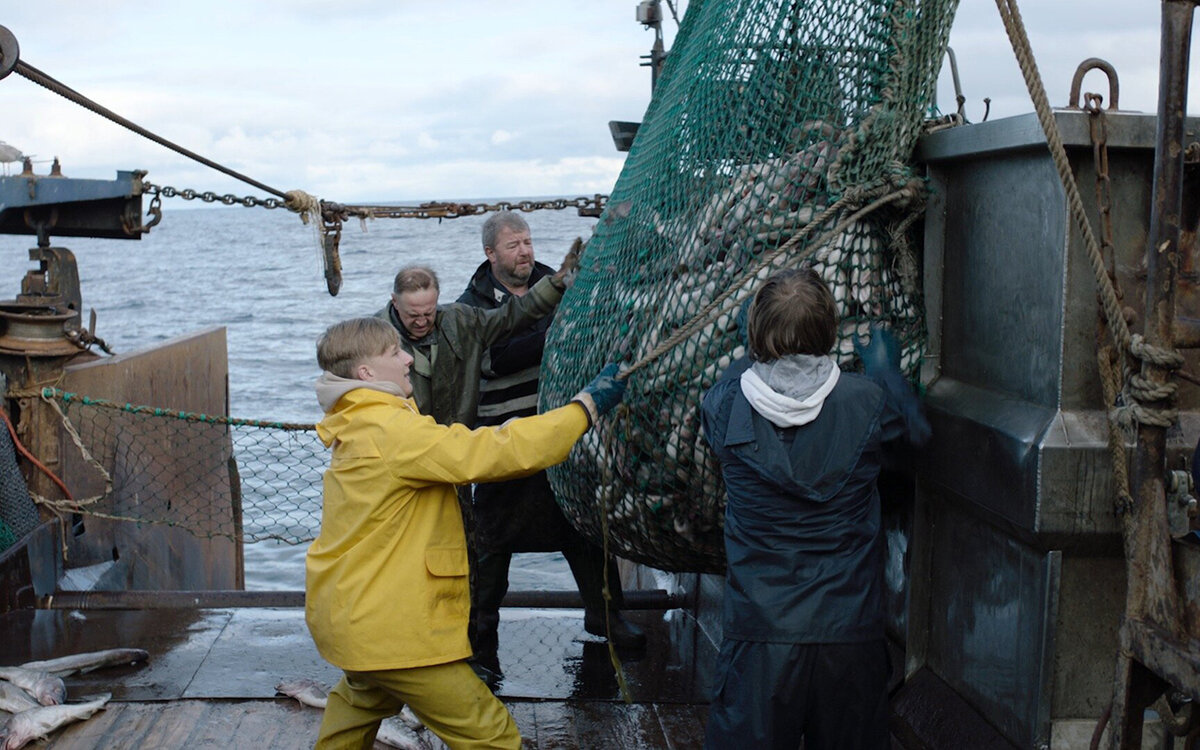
<point>368,100</point>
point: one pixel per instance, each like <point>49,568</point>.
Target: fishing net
<point>242,479</point>
<point>18,515</point>
<point>779,134</point>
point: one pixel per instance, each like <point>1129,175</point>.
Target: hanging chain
<point>587,206</point>
<point>1109,358</point>
<point>1098,125</point>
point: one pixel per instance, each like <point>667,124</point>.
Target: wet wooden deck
<point>210,680</point>
<point>283,724</point>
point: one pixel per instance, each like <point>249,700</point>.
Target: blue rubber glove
<point>743,321</point>
<point>881,362</point>
<point>606,391</point>
<point>881,355</point>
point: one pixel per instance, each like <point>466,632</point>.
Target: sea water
<point>259,274</point>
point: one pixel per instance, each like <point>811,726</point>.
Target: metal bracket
<point>1090,64</point>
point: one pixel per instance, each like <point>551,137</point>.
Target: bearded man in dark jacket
<point>522,515</point>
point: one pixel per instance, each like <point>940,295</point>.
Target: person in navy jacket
<point>801,445</point>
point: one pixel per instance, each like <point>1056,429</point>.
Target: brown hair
<point>792,313</point>
<point>414,279</point>
<point>345,345</point>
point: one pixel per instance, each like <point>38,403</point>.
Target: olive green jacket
<point>462,334</point>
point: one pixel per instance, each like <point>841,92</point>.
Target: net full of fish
<point>771,125</point>
<point>650,466</point>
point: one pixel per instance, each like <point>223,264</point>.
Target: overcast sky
<point>391,100</point>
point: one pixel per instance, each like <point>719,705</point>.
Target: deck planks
<point>682,724</point>
<point>176,720</point>
<point>285,725</point>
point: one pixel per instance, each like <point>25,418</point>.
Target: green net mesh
<point>779,134</point>
<point>246,480</point>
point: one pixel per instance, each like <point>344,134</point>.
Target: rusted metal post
<point>1151,597</point>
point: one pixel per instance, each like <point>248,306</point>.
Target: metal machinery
<point>1016,584</point>
<point>44,321</point>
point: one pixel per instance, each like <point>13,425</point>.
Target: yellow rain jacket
<point>386,584</point>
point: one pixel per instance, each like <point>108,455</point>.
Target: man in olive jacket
<point>447,342</point>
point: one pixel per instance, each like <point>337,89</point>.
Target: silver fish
<point>38,722</point>
<point>13,699</point>
<point>394,731</point>
<point>65,666</point>
<point>45,687</point>
<point>308,692</point>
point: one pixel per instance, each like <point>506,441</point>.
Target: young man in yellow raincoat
<point>386,585</point>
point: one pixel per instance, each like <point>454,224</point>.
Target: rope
<point>1135,344</point>
<point>71,505</point>
<point>618,668</point>
<point>66,396</point>
<point>40,78</point>
<point>712,309</point>
<point>84,452</point>
<point>55,506</point>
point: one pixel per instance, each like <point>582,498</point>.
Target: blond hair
<point>792,313</point>
<point>345,345</point>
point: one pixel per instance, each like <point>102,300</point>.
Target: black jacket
<point>520,515</point>
<point>510,368</point>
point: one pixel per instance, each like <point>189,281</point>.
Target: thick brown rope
<point>1011,15</point>
<point>1138,388</point>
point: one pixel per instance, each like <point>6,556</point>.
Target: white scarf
<point>790,391</point>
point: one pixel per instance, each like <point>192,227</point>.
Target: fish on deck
<point>65,666</point>
<point>38,722</point>
<point>46,688</point>
<point>15,700</point>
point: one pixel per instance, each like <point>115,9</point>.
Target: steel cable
<point>41,79</point>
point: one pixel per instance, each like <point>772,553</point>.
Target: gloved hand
<point>881,354</point>
<point>565,276</point>
<point>602,395</point>
<point>743,321</point>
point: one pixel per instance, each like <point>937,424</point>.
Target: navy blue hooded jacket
<point>803,535</point>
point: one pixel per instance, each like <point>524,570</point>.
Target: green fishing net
<point>780,133</point>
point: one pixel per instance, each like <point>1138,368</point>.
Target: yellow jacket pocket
<point>446,561</point>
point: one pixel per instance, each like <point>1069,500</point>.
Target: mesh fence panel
<point>773,128</point>
<point>188,470</point>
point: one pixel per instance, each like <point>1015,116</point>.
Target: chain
<point>249,201</point>
<point>586,206</point>
<point>1098,125</point>
<point>1110,359</point>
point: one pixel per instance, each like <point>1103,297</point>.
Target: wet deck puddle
<point>244,653</point>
